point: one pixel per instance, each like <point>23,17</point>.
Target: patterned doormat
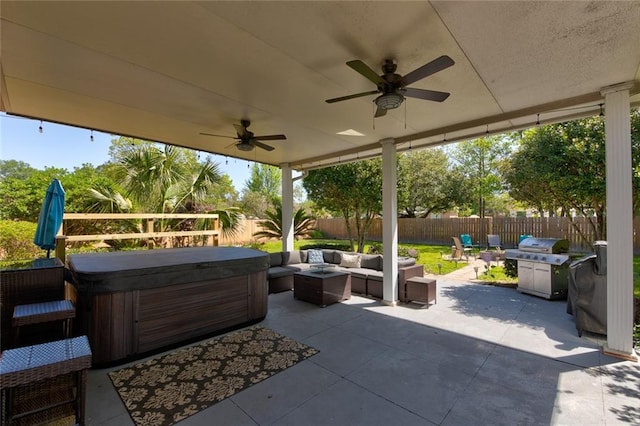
<point>170,388</point>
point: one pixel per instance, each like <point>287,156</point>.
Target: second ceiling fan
<point>393,87</point>
<point>247,140</point>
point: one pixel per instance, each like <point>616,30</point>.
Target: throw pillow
<point>350,260</point>
<point>315,256</point>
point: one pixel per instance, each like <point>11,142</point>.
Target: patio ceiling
<point>167,71</point>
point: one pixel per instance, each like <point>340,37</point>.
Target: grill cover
<point>544,245</point>
<point>587,299</point>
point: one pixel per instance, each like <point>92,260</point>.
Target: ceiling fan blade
<point>218,136</point>
<point>380,112</point>
<point>242,131</point>
<point>270,138</point>
<point>426,70</point>
<point>230,145</point>
<point>262,145</point>
<point>357,95</point>
<point>366,71</point>
<point>429,95</point>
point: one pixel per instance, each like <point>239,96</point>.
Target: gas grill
<point>543,266</point>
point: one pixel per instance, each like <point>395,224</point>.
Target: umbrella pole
<point>48,253</point>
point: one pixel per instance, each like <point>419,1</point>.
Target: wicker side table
<point>419,289</point>
<point>36,313</point>
<point>38,381</point>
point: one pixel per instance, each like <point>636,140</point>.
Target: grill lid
<point>552,259</point>
<point>544,245</point>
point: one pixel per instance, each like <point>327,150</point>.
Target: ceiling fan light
<point>389,100</point>
<point>245,147</point>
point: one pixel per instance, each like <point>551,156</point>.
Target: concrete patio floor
<point>482,355</point>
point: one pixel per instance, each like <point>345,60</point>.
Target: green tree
<point>353,191</point>
<point>15,169</point>
<point>272,228</point>
<point>265,179</point>
<point>22,195</point>
<point>261,189</point>
<point>560,168</point>
<point>165,179</point>
<point>479,161</point>
<point>428,184</point>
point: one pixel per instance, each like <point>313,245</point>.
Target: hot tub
<point>132,303</point>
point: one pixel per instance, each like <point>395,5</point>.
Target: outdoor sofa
<point>365,269</point>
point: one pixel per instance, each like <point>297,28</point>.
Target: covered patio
<point>172,71</point>
<point>480,355</point>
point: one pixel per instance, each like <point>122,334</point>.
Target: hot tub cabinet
<point>131,303</point>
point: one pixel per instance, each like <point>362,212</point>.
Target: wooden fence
<point>440,231</point>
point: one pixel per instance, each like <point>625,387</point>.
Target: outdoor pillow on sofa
<point>289,257</point>
<point>371,261</point>
<point>315,256</point>
<point>350,260</point>
<point>275,259</point>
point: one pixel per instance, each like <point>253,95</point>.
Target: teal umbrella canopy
<point>50,218</point>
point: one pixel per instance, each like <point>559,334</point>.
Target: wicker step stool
<point>419,289</point>
<point>45,383</point>
<point>37,313</point>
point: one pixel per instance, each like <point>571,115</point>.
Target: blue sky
<point>68,147</point>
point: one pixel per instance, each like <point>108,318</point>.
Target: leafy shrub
<point>511,268</point>
<point>16,241</point>
<point>408,252</point>
<point>329,246</point>
<point>254,244</point>
<point>316,234</point>
<point>376,248</point>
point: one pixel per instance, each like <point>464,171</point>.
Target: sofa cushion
<point>375,276</point>
<point>279,271</point>
<point>289,257</point>
<point>331,256</point>
<point>349,260</point>
<point>360,272</point>
<point>406,261</point>
<point>275,259</point>
<point>303,256</point>
<point>315,256</point>
<point>371,261</point>
<point>297,267</point>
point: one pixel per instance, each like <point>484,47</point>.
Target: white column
<point>287,208</point>
<point>619,222</point>
<point>389,223</point>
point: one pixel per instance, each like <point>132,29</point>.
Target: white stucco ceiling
<point>167,71</point>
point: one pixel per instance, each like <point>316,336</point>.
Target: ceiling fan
<point>393,87</point>
<point>247,140</point>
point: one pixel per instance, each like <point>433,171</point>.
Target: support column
<point>389,223</point>
<point>287,207</point>
<point>619,222</point>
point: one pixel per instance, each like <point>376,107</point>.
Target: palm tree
<point>165,179</point>
<point>272,228</point>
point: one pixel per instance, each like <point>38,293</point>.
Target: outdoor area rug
<point>172,387</point>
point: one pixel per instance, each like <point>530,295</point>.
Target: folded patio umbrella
<point>50,217</point>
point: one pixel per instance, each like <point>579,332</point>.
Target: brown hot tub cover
<point>122,271</point>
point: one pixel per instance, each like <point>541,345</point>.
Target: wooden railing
<point>146,228</point>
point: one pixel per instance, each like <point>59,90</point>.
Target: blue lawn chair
<point>467,244</point>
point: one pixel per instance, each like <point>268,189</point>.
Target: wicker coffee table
<point>322,286</point>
